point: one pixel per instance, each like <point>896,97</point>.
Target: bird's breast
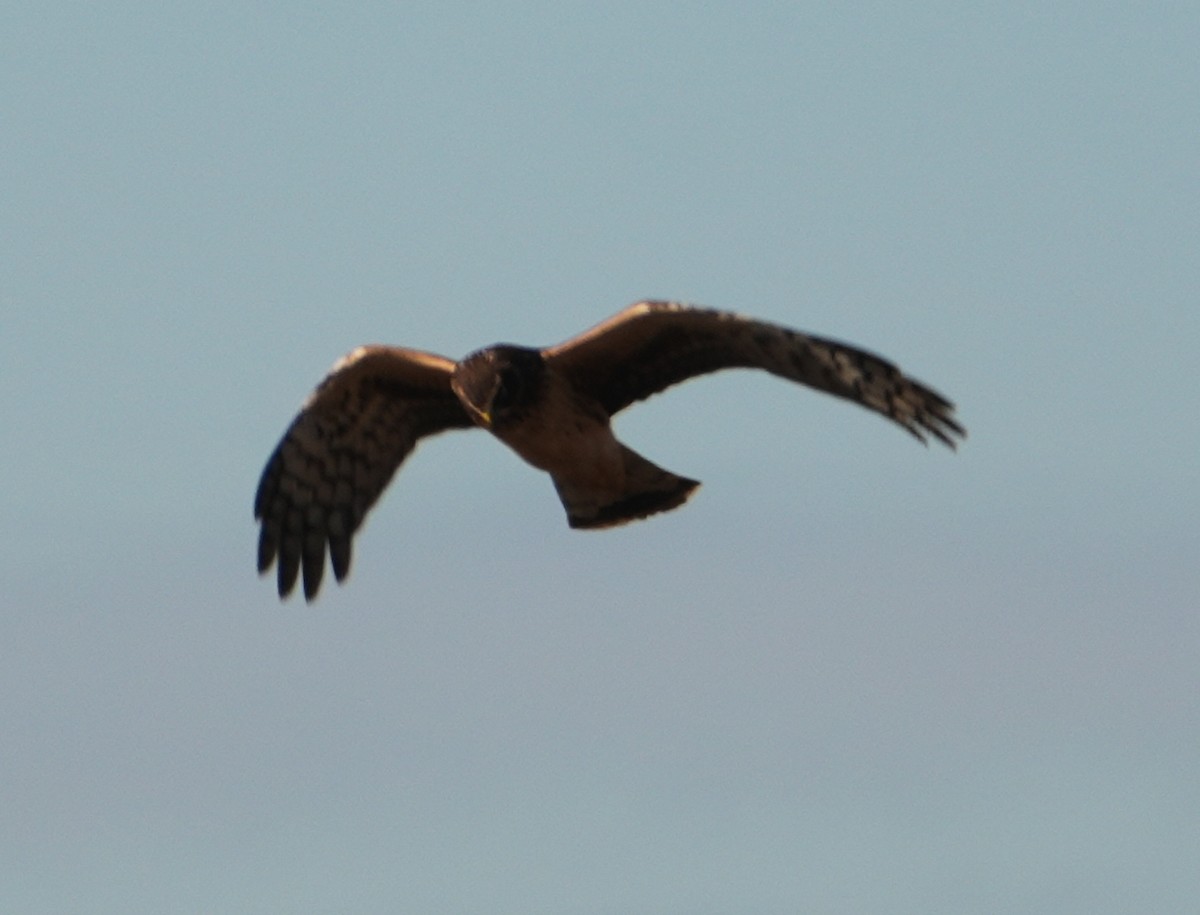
<point>566,439</point>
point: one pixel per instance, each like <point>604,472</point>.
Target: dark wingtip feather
<point>339,556</point>
<point>313,564</point>
<point>914,430</point>
<point>944,438</point>
<point>289,566</point>
<point>946,427</point>
<point>267,547</point>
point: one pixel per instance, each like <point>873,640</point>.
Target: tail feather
<point>647,490</point>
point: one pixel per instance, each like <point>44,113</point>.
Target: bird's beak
<point>468,389</point>
<point>481,417</point>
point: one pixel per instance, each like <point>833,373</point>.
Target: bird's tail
<point>647,490</point>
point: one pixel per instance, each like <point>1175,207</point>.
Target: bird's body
<point>562,429</point>
<point>551,406</point>
<point>569,441</point>
<point>566,431</point>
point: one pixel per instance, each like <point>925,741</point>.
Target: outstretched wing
<point>340,452</point>
<point>653,345</point>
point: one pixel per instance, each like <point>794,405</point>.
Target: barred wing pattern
<point>551,407</point>
<point>653,345</point>
<point>340,452</point>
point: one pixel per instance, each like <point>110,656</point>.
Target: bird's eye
<point>508,390</point>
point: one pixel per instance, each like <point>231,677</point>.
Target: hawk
<point>551,406</point>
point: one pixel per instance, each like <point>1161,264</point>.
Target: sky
<point>851,675</point>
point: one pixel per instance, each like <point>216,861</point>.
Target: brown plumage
<point>552,406</point>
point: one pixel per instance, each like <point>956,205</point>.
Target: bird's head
<point>497,385</point>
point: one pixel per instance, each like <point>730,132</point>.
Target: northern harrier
<point>552,407</point>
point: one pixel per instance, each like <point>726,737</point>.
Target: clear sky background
<point>852,675</point>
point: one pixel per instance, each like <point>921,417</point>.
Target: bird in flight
<point>552,407</point>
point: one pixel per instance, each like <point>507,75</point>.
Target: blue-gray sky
<point>852,675</point>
